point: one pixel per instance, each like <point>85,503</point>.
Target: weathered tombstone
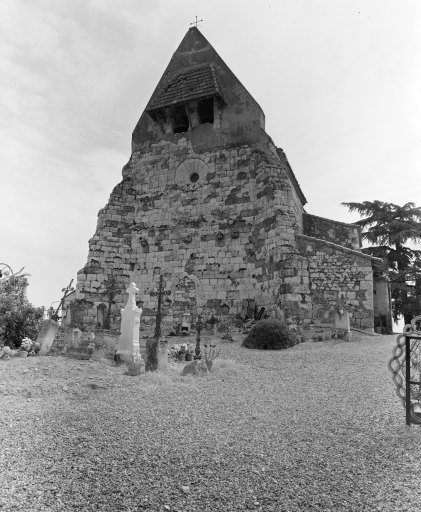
<point>341,323</point>
<point>152,354</point>
<point>46,336</point>
<point>251,308</point>
<point>82,344</point>
<point>76,337</point>
<point>128,343</point>
<point>244,306</point>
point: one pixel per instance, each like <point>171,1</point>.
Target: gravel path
<point>317,427</point>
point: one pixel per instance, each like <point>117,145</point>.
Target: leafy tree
<point>389,227</point>
<point>18,318</point>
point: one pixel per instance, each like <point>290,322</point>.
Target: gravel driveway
<point>317,427</point>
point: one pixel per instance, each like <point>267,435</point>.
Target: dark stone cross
<point>152,345</point>
<point>196,22</point>
<point>199,325</point>
<point>160,292</point>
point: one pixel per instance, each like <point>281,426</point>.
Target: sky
<point>339,82</point>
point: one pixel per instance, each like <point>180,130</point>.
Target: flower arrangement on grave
<point>134,362</point>
<point>26,344</point>
<point>174,351</point>
<point>189,351</point>
<point>6,352</point>
<point>210,353</point>
<point>25,347</point>
<point>183,351</point>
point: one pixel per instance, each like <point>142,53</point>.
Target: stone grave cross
<point>128,343</point>
<point>132,290</point>
<point>160,292</point>
<point>199,325</point>
<point>156,350</point>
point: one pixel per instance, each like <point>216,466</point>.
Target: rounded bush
<point>270,334</point>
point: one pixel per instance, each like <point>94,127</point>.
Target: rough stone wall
<point>348,235</point>
<point>338,278</point>
<point>212,239</point>
<point>229,236</point>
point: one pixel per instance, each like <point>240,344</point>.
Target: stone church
<point>209,201</point>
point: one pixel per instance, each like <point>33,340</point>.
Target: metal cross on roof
<point>196,22</point>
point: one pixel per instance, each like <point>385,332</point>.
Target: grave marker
<point>341,323</point>
<point>46,336</point>
<point>156,350</point>
<point>128,343</point>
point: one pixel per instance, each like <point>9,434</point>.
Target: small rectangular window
<point>205,111</point>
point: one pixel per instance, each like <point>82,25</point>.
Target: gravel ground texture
<point>317,427</point>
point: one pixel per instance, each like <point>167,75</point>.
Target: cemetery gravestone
<point>81,344</point>
<point>152,355</point>
<point>342,323</point>
<point>251,308</point>
<point>128,343</point>
<point>76,337</point>
<point>248,308</point>
<point>46,336</point>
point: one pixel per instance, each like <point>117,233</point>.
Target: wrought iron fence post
<point>408,379</point>
<point>199,325</point>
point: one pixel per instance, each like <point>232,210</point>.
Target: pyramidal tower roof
<point>194,63</point>
<point>196,72</point>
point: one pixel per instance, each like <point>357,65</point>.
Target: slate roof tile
<point>187,85</point>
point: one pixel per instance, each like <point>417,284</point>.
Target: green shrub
<point>18,318</point>
<point>270,335</point>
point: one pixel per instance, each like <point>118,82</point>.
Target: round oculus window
<point>191,171</point>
